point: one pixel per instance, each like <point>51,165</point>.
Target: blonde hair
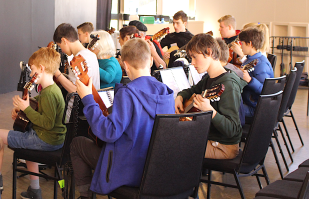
<point>228,20</point>
<point>47,57</point>
<point>136,52</point>
<point>105,44</point>
<point>263,27</point>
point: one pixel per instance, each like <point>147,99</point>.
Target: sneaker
<point>31,194</point>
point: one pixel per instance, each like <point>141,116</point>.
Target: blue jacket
<point>262,70</point>
<point>126,131</point>
<point>110,72</point>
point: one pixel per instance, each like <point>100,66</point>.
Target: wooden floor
<point>249,184</point>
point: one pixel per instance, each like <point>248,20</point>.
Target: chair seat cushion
<point>265,197</point>
<point>44,157</point>
<point>281,189</point>
<point>297,175</point>
<point>304,164</point>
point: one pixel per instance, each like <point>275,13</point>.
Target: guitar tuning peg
<point>218,99</point>
<point>31,87</point>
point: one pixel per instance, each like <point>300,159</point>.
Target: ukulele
<point>80,69</point>
<point>22,122</point>
<point>250,66</point>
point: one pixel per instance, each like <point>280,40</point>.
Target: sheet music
<point>175,79</point>
<point>107,97</point>
<point>195,75</point>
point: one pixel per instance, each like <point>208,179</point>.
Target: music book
<point>175,78</point>
<point>195,75</point>
<point>107,97</point>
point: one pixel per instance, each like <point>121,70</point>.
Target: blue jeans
<point>29,140</point>
<point>249,111</point>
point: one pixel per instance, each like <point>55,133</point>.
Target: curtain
<point>103,14</point>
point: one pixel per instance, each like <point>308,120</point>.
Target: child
<point>126,132</point>
<point>225,130</point>
<point>48,131</point>
<point>67,39</point>
<point>84,30</point>
<point>251,42</point>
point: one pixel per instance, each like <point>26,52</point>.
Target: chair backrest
<point>273,85</point>
<point>304,191</point>
<point>300,67</point>
<point>175,155</point>
<point>273,60</point>
<point>71,106</point>
<point>260,132</point>
<point>286,93</point>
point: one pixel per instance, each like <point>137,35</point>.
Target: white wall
<point>246,11</point>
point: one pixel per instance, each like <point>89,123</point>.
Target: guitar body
<point>22,123</point>
<point>80,69</point>
<point>171,49</point>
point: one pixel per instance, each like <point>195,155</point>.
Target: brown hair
<point>47,57</point>
<point>254,35</point>
<point>224,50</point>
<point>228,20</point>
<point>67,31</point>
<point>181,15</point>
<point>86,27</point>
<point>136,52</point>
<point>200,44</point>
<point>263,27</point>
<point>127,30</point>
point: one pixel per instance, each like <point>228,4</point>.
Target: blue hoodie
<point>262,70</point>
<point>126,131</point>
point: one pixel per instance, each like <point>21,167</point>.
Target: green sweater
<point>47,121</point>
<point>225,126</point>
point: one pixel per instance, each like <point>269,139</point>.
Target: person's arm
<point>108,74</point>
<point>258,77</point>
<point>156,58</point>
<point>67,84</point>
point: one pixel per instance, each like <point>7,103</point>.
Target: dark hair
<point>200,44</point>
<point>86,27</point>
<point>224,50</point>
<point>254,35</point>
<point>139,25</point>
<point>127,30</point>
<point>65,30</point>
<point>181,15</point>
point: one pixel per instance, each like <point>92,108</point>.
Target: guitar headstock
<point>93,44</point>
<point>214,93</point>
<point>29,85</point>
<point>52,45</point>
<point>79,68</point>
<point>161,34</point>
<point>250,66</point>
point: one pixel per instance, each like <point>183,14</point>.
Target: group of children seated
<point>127,130</point>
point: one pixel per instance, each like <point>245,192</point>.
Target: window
<point>140,7</point>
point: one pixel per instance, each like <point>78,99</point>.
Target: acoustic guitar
<point>250,66</point>
<point>93,44</point>
<point>80,69</point>
<point>232,55</point>
<point>22,123</point>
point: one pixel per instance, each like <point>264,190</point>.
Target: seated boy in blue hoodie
<point>126,132</point>
<point>251,42</point>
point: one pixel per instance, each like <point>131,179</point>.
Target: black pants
<point>84,155</point>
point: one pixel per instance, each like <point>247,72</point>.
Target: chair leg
<point>259,182</point>
<point>301,140</point>
<point>14,176</point>
<point>94,195</point>
<point>288,135</point>
<point>280,149</point>
<point>55,184</point>
<point>285,143</point>
<point>209,184</point>
<point>276,158</point>
<point>266,175</point>
<point>239,185</point>
<point>109,197</point>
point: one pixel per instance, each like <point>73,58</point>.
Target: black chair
<point>286,189</point>
<point>273,60</point>
<point>304,164</point>
<point>270,86</point>
<point>174,159</point>
<point>59,158</point>
<point>298,175</point>
<point>288,110</point>
<point>251,159</point>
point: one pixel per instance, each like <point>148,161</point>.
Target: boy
<point>225,130</point>
<point>126,132</point>
<point>84,30</point>
<point>180,37</point>
<point>251,41</point>
<point>227,28</point>
<point>48,131</point>
<point>67,39</point>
